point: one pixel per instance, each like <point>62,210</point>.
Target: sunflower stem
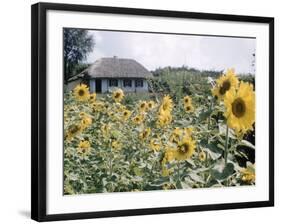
<point>226,145</point>
<point>178,169</point>
<point>209,118</point>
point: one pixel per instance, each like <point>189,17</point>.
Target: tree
<point>78,43</point>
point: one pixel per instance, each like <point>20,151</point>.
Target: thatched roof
<point>115,68</point>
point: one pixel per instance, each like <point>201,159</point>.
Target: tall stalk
<point>226,145</point>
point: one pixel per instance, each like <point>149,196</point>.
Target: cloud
<point>160,50</point>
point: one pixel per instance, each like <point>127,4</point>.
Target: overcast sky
<point>161,50</point>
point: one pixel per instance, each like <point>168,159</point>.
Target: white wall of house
<point>144,88</point>
<point>106,88</point>
<point>92,86</point>
<point>104,85</point>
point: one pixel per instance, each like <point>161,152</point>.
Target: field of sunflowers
<point>161,142</point>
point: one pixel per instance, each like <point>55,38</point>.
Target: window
<point>113,82</point>
<point>139,83</point>
<point>127,83</point>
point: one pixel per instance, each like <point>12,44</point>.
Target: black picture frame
<point>38,108</point>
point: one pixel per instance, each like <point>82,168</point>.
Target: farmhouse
<point>108,73</point>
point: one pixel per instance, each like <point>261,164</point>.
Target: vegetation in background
<point>78,43</point>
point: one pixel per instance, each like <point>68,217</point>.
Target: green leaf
<point>246,143</point>
<point>225,173</point>
<point>196,177</point>
<point>204,115</point>
<point>212,148</point>
<point>222,130</point>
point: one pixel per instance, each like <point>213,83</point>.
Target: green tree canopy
<point>78,43</point>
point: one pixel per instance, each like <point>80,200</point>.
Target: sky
<point>161,50</point>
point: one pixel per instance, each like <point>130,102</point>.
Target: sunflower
<point>143,106</point>
<point>81,92</point>
<point>138,119</point>
<point>118,95</point>
<point>176,135</point>
<point>248,174</point>
<point>155,144</point>
<point>98,106</point>
<point>180,133</point>
<point>169,155</point>
<point>187,100</point>
<point>189,108</point>
<point>185,149</point>
<point>86,121</point>
<point>151,104</point>
<point>105,130</point>
<point>164,118</point>
<point>93,97</point>
<point>225,83</point>
<point>240,108</point>
<point>116,145</point>
<point>126,114</point>
<point>167,104</point>
<point>202,156</point>
<point>145,133</point>
<point>84,148</point>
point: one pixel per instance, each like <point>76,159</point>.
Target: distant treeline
<point>189,70</point>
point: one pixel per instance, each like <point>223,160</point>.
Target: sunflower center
<point>117,95</point>
<point>224,87</point>
<point>81,92</point>
<point>188,108</point>
<point>184,148</point>
<point>239,107</point>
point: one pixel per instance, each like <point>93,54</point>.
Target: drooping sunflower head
<point>185,149</point>
<point>225,83</point>
<point>118,95</point>
<point>81,92</point>
<point>105,130</point>
<point>98,106</point>
<point>93,97</point>
<point>84,148</point>
<point>155,144</point>
<point>72,131</point>
<point>240,108</point>
<point>176,135</point>
<point>167,104</point>
<point>164,118</point>
<point>86,121</point>
<point>145,133</point>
